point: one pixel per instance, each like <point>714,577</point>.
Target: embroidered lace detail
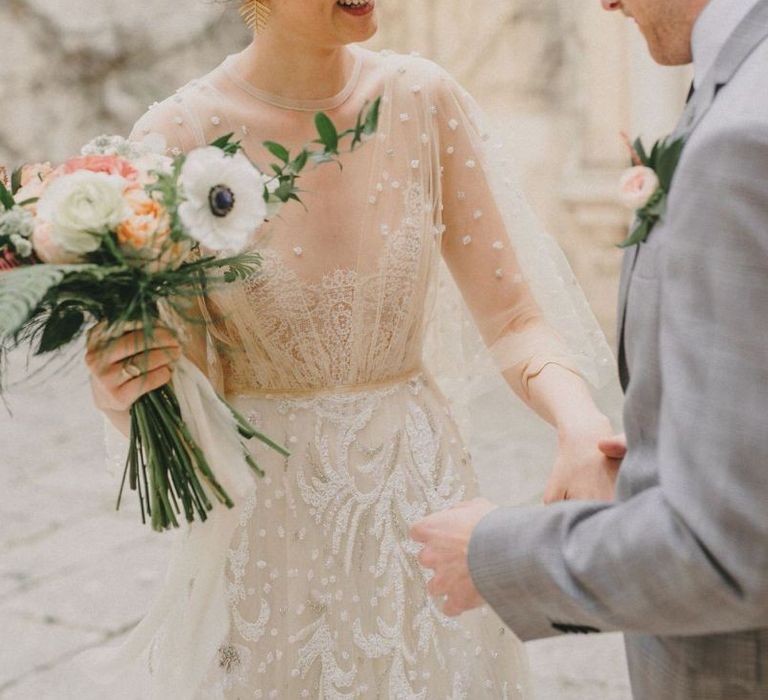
<point>324,588</point>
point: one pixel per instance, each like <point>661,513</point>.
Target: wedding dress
<point>335,349</point>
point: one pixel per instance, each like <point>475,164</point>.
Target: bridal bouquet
<point>116,233</point>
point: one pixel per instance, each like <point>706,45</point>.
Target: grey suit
<point>680,561</point>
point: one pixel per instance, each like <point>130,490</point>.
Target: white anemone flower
<point>224,199</point>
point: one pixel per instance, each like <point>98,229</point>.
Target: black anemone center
<point>222,200</point>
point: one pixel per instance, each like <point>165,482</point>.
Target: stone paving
<point>74,574</point>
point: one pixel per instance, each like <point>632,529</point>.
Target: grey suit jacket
<point>680,561</point>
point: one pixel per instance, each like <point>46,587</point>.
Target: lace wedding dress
<point>324,351</point>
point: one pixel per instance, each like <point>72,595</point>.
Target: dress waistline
<point>330,390</point>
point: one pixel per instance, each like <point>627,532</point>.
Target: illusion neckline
<point>299,105</point>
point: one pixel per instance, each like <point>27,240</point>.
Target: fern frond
<point>22,290</point>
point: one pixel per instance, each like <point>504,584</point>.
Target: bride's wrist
<point>593,424</point>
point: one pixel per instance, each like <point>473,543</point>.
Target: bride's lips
<point>358,10</point>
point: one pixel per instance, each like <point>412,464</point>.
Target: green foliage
<point>16,181</point>
<point>64,324</point>
<point>226,144</point>
<point>6,198</point>
<point>21,292</point>
<point>666,162</point>
<point>280,152</point>
<point>329,136</point>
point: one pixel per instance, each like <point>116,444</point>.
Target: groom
<point>680,561</point>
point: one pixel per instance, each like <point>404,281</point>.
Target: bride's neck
<point>281,66</point>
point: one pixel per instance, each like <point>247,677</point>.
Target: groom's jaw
<point>667,25</point>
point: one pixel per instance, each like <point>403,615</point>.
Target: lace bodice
<point>348,284</point>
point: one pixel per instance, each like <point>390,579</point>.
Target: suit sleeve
<point>689,556</point>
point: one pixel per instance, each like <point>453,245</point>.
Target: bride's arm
<point>480,249</point>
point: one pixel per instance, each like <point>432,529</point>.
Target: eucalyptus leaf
<point>329,136</point>
<point>372,118</point>
<point>226,144</point>
<point>300,162</point>
<point>280,152</point>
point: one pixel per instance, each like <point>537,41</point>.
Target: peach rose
<point>145,235</point>
<point>148,222</point>
<point>46,248</point>
<point>37,172</point>
<point>637,186</point>
<point>35,178</point>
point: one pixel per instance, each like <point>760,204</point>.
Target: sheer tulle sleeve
<point>506,304</point>
<point>174,121</point>
<point>514,279</point>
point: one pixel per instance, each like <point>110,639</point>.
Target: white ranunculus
<point>224,199</point>
<point>637,186</point>
<point>82,208</point>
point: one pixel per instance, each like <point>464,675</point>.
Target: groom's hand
<point>587,466</point>
<point>446,536</point>
<point>614,447</point>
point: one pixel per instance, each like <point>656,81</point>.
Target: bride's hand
<point>126,367</point>
<point>582,470</point>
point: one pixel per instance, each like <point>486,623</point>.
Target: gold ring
<point>130,369</point>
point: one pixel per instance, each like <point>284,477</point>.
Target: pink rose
<point>111,165</point>
<point>637,186</point>
<point>46,249</point>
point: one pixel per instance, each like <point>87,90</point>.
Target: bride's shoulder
<point>174,116</point>
<point>411,70</point>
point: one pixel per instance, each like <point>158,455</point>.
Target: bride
<point>328,350</point>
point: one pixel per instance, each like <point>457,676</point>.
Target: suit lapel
<point>752,31</point>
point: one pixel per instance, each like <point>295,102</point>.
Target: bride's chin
<point>364,26</point>
<point>360,34</point>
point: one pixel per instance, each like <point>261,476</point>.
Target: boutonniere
<point>644,188</point>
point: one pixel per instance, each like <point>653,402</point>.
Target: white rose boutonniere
<point>645,187</point>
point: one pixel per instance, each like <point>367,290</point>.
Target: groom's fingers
<point>614,447</point>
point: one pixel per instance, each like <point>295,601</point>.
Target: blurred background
<point>563,77</point>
